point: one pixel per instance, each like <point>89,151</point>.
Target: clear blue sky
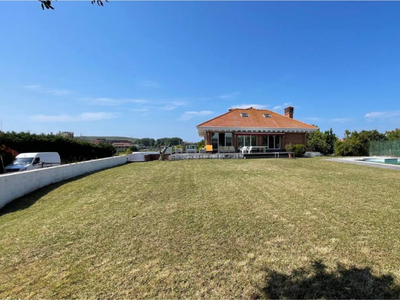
<point>155,69</point>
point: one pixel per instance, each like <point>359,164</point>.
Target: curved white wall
<point>15,185</point>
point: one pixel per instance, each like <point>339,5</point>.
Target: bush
<point>127,151</point>
<point>323,142</point>
<point>354,144</point>
<point>134,148</point>
<point>289,147</point>
<point>351,147</point>
<point>200,145</point>
<point>299,150</point>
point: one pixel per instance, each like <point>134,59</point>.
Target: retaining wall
<point>15,185</point>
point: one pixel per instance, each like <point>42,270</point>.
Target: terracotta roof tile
<point>255,120</point>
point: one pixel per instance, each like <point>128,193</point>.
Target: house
<point>66,134</point>
<point>121,146</point>
<point>254,127</point>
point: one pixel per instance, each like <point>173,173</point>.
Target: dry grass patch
<point>209,229</point>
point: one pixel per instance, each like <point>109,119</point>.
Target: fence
<point>384,148</point>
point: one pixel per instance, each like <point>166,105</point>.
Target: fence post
<point>379,149</point>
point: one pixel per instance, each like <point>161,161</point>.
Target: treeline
<point>357,143</point>
<point>353,144</point>
<point>150,142</point>
<point>70,150</point>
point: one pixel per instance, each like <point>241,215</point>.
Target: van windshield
<point>23,161</point>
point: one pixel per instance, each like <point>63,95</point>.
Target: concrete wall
<point>136,156</point>
<point>15,185</point>
<point>147,156</point>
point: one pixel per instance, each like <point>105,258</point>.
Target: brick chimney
<point>289,112</point>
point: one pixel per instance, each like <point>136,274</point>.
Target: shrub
<point>289,147</point>
<point>127,151</point>
<point>134,148</point>
<point>350,147</point>
<point>299,150</point>
<point>200,145</point>
<point>354,144</point>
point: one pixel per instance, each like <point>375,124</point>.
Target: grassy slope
<point>200,228</point>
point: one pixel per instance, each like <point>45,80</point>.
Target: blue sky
<point>156,69</point>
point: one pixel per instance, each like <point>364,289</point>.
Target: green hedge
<point>299,150</point>
<point>70,150</point>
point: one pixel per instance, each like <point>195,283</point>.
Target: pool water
<point>386,161</point>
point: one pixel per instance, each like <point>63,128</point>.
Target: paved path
<point>356,161</point>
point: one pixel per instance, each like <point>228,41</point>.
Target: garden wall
<point>15,185</point>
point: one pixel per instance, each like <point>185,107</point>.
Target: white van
<point>32,161</point>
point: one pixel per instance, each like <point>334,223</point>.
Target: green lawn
<point>207,229</point>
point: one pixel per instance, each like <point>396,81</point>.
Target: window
<point>240,141</point>
<point>247,140</point>
<point>277,142</point>
<point>222,139</point>
<point>228,139</point>
<point>265,140</point>
<point>266,115</point>
<point>254,140</point>
<point>245,115</point>
<point>271,142</point>
<point>214,141</point>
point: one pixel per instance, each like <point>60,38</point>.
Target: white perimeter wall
<point>15,185</point>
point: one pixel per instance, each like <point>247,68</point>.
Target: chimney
<point>289,112</point>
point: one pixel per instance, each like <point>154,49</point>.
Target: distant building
<point>98,141</point>
<point>66,134</point>
<point>121,146</point>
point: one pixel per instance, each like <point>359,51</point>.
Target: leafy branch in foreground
<point>47,3</point>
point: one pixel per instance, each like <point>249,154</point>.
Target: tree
<point>331,140</point>
<point>162,151</point>
<point>134,148</point>
<point>148,142</point>
<point>323,142</point>
<point>374,135</point>
<point>175,141</point>
<point>46,4</point>
<point>393,135</point>
<point>200,144</point>
<point>354,144</point>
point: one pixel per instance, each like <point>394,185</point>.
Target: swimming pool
<point>390,161</point>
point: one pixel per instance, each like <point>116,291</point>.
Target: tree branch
<point>46,4</point>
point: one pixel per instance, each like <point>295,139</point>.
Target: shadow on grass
<point>29,199</point>
<point>317,282</point>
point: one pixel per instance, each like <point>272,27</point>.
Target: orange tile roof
<point>255,119</point>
